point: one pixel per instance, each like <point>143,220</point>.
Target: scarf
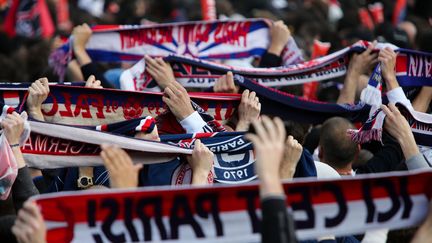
<point>86,106</point>
<point>226,213</point>
<point>216,40</point>
<point>421,126</point>
<point>57,146</point>
<point>413,68</point>
<point>290,107</point>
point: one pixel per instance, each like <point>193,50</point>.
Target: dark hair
<point>338,148</point>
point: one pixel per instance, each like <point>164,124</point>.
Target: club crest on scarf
<point>233,157</point>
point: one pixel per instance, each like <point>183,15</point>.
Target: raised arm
<point>269,146</point>
<point>359,64</point>
<point>82,34</point>
<point>423,99</point>
<point>279,35</point>
<point>397,126</point>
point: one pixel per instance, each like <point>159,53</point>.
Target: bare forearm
<point>36,114</point>
<point>270,186</point>
<point>242,126</point>
<point>408,144</point>
<point>18,157</point>
<point>391,83</point>
<point>348,92</point>
<point>422,101</point>
<point>199,177</point>
<point>82,57</point>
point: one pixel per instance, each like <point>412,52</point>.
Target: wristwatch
<point>85,177</point>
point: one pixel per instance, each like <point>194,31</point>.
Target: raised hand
<point>29,226</point>
<point>81,34</point>
<point>225,84</point>
<point>364,62</point>
<point>248,110</point>
<point>93,83</point>
<point>269,147</point>
<point>387,57</point>
<point>160,71</point>
<point>178,100</point>
<point>201,162</point>
<point>360,64</point>
<point>280,35</point>
<point>38,92</point>
<point>123,173</point>
<point>397,126</point>
<point>13,127</point>
<point>292,153</point>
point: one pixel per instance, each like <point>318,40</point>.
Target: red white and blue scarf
<point>413,68</point>
<point>213,40</point>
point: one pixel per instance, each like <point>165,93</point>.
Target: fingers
<point>150,62</point>
<point>167,101</point>
<point>245,95</point>
<point>281,132</point>
<point>252,96</point>
<point>197,143</point>
<point>256,141</point>
<point>260,130</point>
<point>391,110</point>
<point>90,80</point>
<point>169,92</point>
<point>29,223</point>
<point>385,110</point>
<point>270,128</point>
<point>115,157</point>
<point>230,81</point>
<point>109,157</point>
<point>394,109</point>
<point>371,47</point>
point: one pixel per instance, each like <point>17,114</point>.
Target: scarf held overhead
<point>86,106</point>
<point>413,68</point>
<point>57,146</point>
<point>216,40</point>
<point>227,213</point>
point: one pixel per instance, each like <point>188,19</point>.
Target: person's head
<point>336,147</point>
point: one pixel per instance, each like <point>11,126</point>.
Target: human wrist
<point>186,113</point>
<point>408,145</point>
<point>242,125</point>
<point>275,48</point>
<point>79,49</point>
<point>199,176</point>
<point>34,109</point>
<point>353,75</point>
<point>391,82</point>
<point>270,187</point>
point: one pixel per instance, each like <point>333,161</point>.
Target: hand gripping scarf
<point>215,40</point>
<point>421,126</point>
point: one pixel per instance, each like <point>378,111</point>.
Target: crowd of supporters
<point>278,145</point>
